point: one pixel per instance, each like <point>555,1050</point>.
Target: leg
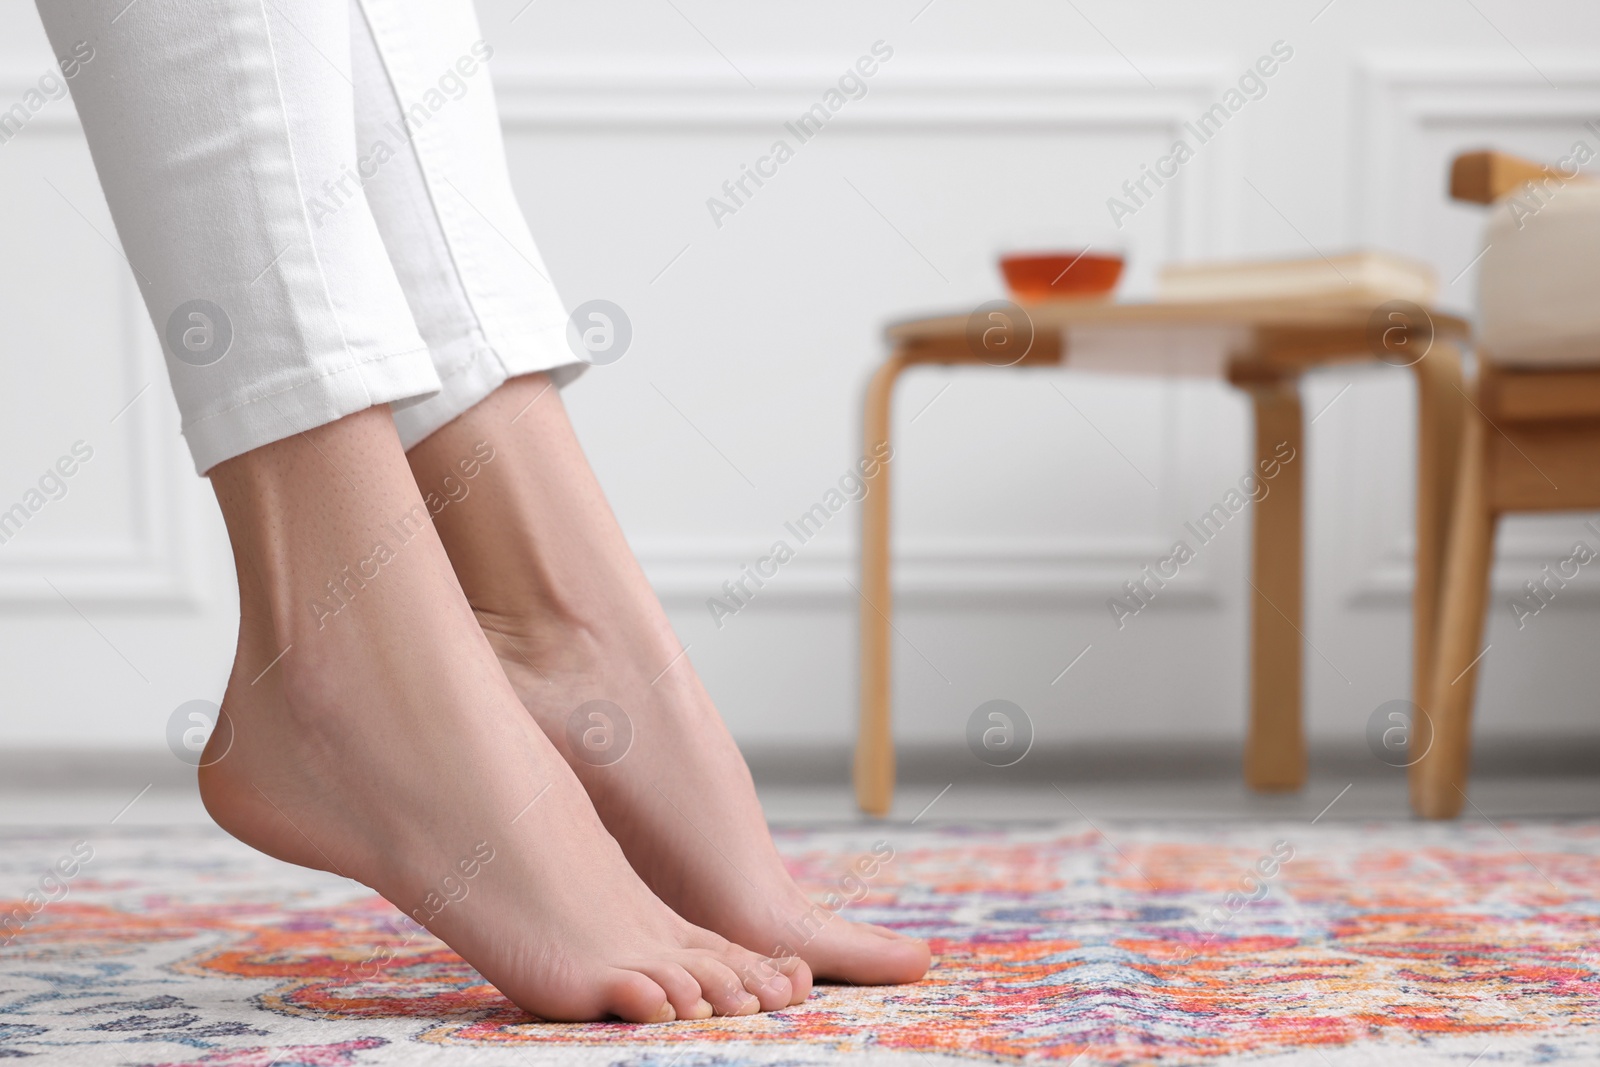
<point>363,694</point>
<point>349,754</point>
<point>546,566</point>
<point>275,316</point>
<point>874,769</point>
<point>1439,411</point>
<point>573,619</point>
<point>443,200</point>
<point>1275,757</point>
<point>1444,734</point>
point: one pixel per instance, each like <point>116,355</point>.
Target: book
<point>1353,277</point>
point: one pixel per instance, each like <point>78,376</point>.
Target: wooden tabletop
<point>1159,337</point>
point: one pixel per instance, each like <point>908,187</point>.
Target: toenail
<point>667,1014</point>
<point>703,1009</point>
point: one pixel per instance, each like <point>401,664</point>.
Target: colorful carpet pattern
<point>1333,945</point>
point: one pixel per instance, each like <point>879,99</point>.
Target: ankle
<point>311,519</point>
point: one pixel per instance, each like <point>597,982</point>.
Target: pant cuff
<point>471,381</point>
<point>261,420</point>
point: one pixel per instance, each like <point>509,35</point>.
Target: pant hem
<point>468,384</point>
<point>263,419</point>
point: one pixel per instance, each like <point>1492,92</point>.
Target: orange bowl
<point>1061,275</point>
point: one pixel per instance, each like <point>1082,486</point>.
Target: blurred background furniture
<point>1262,348</point>
<point>1531,440</point>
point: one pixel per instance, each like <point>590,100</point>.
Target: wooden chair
<point>1531,439</point>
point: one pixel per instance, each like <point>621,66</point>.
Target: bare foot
<point>572,618</point>
<point>374,735</point>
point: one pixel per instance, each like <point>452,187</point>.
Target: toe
<point>799,974</point>
<point>636,998</point>
<point>683,992</point>
<point>867,955</point>
<point>905,958</point>
<point>720,984</point>
<point>762,978</point>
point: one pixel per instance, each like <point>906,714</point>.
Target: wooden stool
<point>1532,437</point>
<point>1262,348</point>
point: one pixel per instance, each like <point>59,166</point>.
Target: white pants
<point>315,202</point>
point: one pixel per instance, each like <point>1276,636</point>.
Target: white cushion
<point>1539,281</point>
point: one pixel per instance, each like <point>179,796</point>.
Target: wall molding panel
<point>1403,107</point>
<point>1046,101</point>
<point>150,568</point>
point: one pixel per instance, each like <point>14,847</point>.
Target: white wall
<point>1016,518</point>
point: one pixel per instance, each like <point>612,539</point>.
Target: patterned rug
<point>1333,945</point>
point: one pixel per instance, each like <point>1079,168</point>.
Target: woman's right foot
<point>373,734</point>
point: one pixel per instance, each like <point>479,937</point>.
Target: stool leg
<point>1275,754</point>
<point>1440,405</point>
<point>874,763</point>
<point>1444,734</point>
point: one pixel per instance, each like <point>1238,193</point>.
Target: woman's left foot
<point>581,636</point>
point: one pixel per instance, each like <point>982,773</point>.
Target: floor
<point>1083,905</point>
<point>935,787</point>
